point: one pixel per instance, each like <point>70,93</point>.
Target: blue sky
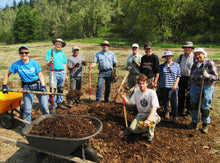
<point>3,3</point>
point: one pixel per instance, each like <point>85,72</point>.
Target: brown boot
<point>167,115</point>
<point>204,128</point>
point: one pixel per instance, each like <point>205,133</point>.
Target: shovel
<point>122,83</point>
<point>90,83</point>
<point>124,107</point>
<point>200,101</point>
<point>37,92</point>
<point>52,79</point>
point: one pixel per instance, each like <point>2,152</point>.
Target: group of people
<point>179,82</point>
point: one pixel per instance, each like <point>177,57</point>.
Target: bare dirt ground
<point>173,143</point>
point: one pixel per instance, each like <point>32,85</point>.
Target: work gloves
<point>77,65</point>
<point>4,88</point>
<point>43,89</point>
<point>205,74</point>
<point>84,63</point>
<point>141,124</point>
<point>135,60</point>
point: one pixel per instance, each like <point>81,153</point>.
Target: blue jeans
<point>165,94</point>
<point>75,83</point>
<point>107,76</point>
<point>58,81</point>
<point>206,100</point>
<point>28,99</point>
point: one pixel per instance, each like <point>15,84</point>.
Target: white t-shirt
<point>144,101</point>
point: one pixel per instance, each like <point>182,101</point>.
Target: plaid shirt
<point>196,72</point>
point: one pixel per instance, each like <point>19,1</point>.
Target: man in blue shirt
<point>56,61</point>
<point>106,61</point>
<point>32,78</point>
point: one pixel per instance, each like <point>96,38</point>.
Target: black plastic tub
<point>62,146</point>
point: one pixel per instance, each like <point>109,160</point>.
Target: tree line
<point>137,20</point>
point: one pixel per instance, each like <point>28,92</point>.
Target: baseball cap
<point>148,45</point>
<point>75,48</point>
<point>135,45</point>
<point>23,47</point>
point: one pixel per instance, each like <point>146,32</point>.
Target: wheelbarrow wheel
<point>6,121</point>
<point>91,154</point>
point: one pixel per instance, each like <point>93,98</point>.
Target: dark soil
<point>64,127</point>
<point>173,143</point>
<point>72,94</point>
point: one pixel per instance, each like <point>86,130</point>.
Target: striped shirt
<point>168,75</point>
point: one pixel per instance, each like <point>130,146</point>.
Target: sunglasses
<point>76,50</point>
<point>23,52</point>
<point>104,45</point>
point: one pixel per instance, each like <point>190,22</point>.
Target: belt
<point>33,82</point>
<point>58,70</point>
<point>199,85</point>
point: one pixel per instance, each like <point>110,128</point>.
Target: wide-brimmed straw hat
<point>188,44</point>
<point>105,43</point>
<point>59,40</point>
<point>201,50</point>
<point>167,53</point>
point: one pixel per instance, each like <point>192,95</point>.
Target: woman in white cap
<point>203,69</point>
<point>168,84</point>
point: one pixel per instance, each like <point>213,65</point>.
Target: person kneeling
<point>147,103</point>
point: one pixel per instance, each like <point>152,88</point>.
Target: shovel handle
<point>122,83</point>
<point>37,92</point>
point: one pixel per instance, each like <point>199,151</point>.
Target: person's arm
<point>50,62</point>
<point>127,101</point>
<point>7,74</point>
<point>41,77</point>
<point>92,65</point>
<point>150,117</point>
<point>154,83</point>
<point>176,84</point>
<point>66,72</point>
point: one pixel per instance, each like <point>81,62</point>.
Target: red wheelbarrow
<point>9,102</point>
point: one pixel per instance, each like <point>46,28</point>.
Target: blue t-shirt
<point>59,59</point>
<point>28,72</point>
<point>105,60</point>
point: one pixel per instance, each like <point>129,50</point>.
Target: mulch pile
<point>173,143</point>
<point>64,127</point>
<point>72,94</point>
